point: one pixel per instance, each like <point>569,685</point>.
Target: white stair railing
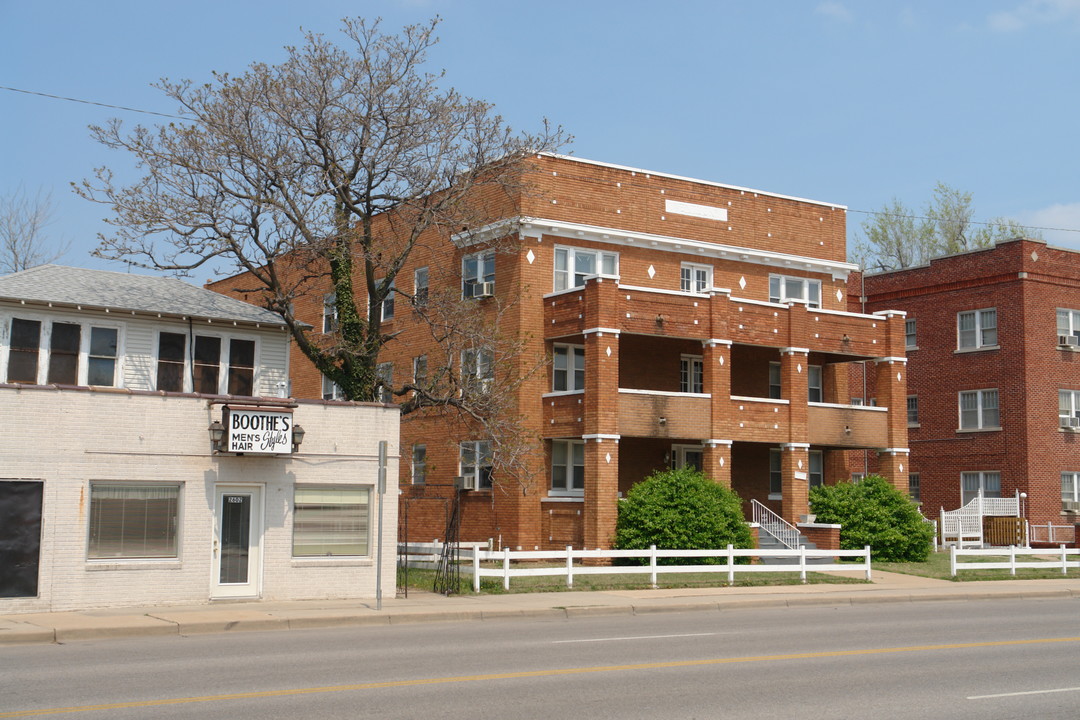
<point>787,534</point>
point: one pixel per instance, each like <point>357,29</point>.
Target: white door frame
<point>248,580</point>
<point>678,454</point>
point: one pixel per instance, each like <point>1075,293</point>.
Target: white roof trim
<point>537,227</point>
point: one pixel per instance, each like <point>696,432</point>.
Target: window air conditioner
<point>468,482</point>
<point>1074,422</point>
<point>484,290</point>
<point>1070,506</point>
<point>1067,340</point>
<point>1069,422</point>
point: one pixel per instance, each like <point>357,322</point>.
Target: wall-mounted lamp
<point>663,421</point>
<point>217,435</point>
<point>297,437</point>
<point>847,339</point>
<point>847,429</point>
<point>659,319</point>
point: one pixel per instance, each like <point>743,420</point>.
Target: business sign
<point>257,431</point>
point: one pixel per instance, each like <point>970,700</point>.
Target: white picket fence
<point>1053,534</point>
<point>1037,559</point>
<point>510,563</point>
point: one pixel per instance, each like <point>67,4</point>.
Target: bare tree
<point>327,169</point>
<point>897,237</point>
<point>23,241</point>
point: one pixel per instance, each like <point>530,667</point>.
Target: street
<point>979,659</point>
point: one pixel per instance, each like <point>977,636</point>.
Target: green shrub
<point>681,510</point>
<point>872,512</point>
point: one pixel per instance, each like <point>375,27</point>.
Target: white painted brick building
<point>112,491</point>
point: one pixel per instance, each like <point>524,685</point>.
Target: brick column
<point>601,505</point>
<point>795,483</point>
<point>891,388</point>
<point>716,376</point>
<point>794,386</point>
<point>716,461</point>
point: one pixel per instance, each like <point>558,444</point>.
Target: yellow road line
<point>527,674</point>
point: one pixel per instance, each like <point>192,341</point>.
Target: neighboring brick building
<point>994,386</point>
<point>684,323</point>
<point>112,492</point>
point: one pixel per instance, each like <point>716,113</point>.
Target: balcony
<point>847,426</point>
<point>650,413</point>
<point>759,419</point>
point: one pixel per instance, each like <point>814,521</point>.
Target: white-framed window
<point>567,367</point>
<point>475,462</point>
<point>691,374</point>
<point>329,313</point>
<point>567,467</point>
<point>1069,409</point>
<point>1070,491</point>
<point>573,265</point>
<point>478,274</point>
<point>386,310</point>
<point>331,390</point>
<point>385,373</point>
<point>133,520</point>
<point>776,474</point>
<point>696,278</point>
<point>857,402</point>
<point>857,477</point>
<point>972,482</point>
<point>914,487</point>
<point>775,388</point>
<point>979,410</point>
<point>419,464</point>
<point>220,365</point>
<point>60,351</point>
<point>913,409</point>
<point>420,286</point>
<point>817,468</point>
<point>783,288</point>
<point>687,456</point>
<point>909,334</point>
<point>477,370</point>
<point>331,521</point>
<point>976,329</point>
<point>814,390</point>
<point>419,370</point>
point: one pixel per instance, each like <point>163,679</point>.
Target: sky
<point>840,101</point>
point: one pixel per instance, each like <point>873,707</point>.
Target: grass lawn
<point>937,566</point>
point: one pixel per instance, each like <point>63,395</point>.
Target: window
<point>775,392</point>
<point>476,272</point>
<point>475,463</point>
<point>1069,409</point>
<point>857,477</point>
<point>384,373</point>
<point>331,390</point>
<point>976,329</point>
<point>133,521</point>
<point>419,370</point>
<point>776,475</point>
<point>696,278</point>
<point>783,288</point>
<point>207,364</point>
<point>1070,491</point>
<point>909,334</point>
<point>387,308</point>
<point>331,521</point>
<point>64,353</point>
<point>419,464</point>
<point>420,287</point>
<point>23,353</point>
<point>914,489</point>
<point>972,482</point>
<point>329,314</point>
<point>477,370</point>
<point>857,402</point>
<point>690,374</point>
<point>573,265</point>
<point>814,392</point>
<point>913,409</point>
<point>979,410</point>
<point>170,366</point>
<point>567,368</point>
<point>101,365</point>
<point>567,467</point>
<point>241,367</point>
<point>817,468</point>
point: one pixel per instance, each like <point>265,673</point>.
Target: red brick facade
<point>639,329</point>
<point>1025,283</point>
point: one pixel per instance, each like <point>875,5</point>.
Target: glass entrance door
<point>237,542</point>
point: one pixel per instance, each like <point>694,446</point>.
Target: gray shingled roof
<point>73,286</point>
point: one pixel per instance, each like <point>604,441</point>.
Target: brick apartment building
<point>994,375</point>
<point>680,322</point>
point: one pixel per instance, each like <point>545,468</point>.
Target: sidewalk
<point>427,607</point>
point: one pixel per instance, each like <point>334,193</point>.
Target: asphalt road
<point>980,659</point>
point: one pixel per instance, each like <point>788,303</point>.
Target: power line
<point>969,222</point>
<point>91,102</point>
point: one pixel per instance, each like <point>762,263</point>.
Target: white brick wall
<point>68,438</point>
